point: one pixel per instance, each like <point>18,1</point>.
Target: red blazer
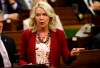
<point>58,47</point>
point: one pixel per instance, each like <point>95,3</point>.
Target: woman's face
<point>41,18</point>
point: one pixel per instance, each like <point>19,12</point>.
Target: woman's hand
<point>76,51</point>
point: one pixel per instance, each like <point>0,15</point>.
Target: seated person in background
<point>26,4</point>
<point>88,6</point>
<point>8,50</point>
<point>10,9</point>
<point>26,21</point>
<point>43,43</point>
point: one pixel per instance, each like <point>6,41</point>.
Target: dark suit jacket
<point>58,47</point>
<point>10,9</point>
<point>95,42</point>
<point>82,8</point>
<point>23,5</point>
<point>11,49</point>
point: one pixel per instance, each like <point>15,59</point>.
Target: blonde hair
<point>49,11</point>
<point>37,1</point>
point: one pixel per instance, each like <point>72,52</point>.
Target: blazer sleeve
<point>23,49</point>
<point>64,48</point>
<point>65,53</point>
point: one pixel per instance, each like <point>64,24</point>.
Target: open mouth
<point>41,22</point>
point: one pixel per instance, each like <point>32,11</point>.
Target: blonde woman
<point>43,43</point>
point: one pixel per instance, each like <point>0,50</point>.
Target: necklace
<point>38,35</point>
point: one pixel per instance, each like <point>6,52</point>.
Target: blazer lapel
<point>32,43</point>
<point>5,42</point>
<point>54,49</point>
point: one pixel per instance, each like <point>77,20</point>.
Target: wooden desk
<point>88,58</point>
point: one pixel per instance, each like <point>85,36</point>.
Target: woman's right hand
<point>76,51</point>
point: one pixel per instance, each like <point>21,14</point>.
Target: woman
<point>43,43</point>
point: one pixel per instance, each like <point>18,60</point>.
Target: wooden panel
<point>96,20</point>
<point>73,26</point>
<point>88,57</point>
<point>64,11</point>
<point>68,17</point>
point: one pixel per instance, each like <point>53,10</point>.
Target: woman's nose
<point>41,17</point>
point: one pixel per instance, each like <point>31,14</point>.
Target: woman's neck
<point>43,30</point>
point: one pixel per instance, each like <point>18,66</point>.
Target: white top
<point>42,52</point>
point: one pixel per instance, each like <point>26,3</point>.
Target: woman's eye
<point>38,15</point>
<point>41,14</point>
<point>44,14</point>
